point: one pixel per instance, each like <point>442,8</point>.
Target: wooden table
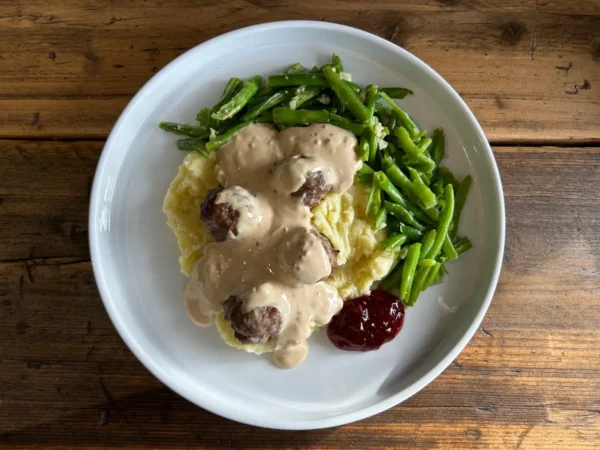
<point>530,71</point>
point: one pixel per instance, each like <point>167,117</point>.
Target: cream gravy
<point>275,259</point>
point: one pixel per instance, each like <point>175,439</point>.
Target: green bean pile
<point>418,202</point>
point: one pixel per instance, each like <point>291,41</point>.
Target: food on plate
<point>307,202</point>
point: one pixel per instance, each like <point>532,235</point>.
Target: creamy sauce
<point>274,260</point>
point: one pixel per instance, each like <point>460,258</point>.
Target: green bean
<point>393,121</point>
<point>422,192</point>
<point>203,117</point>
<point>391,190</point>
<point>263,92</point>
<point>265,117</point>
<point>291,117</point>
<point>197,145</point>
<point>371,99</point>
<point>432,275</point>
<point>438,187</point>
<point>418,136</point>
<point>426,178</point>
<point>406,142</point>
<point>268,104</point>
<point>338,106</point>
<point>403,215</point>
<point>336,63</point>
<point>462,245</point>
<point>382,110</point>
<point>254,101</point>
<point>408,270</point>
<point>444,224</point>
<point>380,219</point>
<point>224,138</point>
<point>437,146</point>
<point>398,177</point>
<point>365,169</point>
<point>231,88</point>
<point>364,146</point>
<point>396,92</point>
<point>433,214</point>
<point>184,129</point>
<point>387,162</point>
<point>448,249</point>
<point>297,79</point>
<point>295,68</point>
<point>391,148</point>
<point>346,95</point>
<point>373,145</point>
<point>421,216</point>
<point>374,202</point>
<point>422,162</point>
<point>403,118</point>
<point>402,253</point>
<point>355,87</point>
<point>417,285</point>
<point>315,105</point>
<point>424,144</point>
<point>427,262</point>
<point>392,225</point>
<point>447,178</point>
<point>393,279</point>
<point>342,122</point>
<point>303,94</point>
<point>411,233</point>
<point>393,242</point>
<point>427,243</point>
<point>461,197</point>
<point>365,178</point>
<point>239,100</point>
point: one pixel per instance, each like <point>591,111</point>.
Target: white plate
<point>135,254</point>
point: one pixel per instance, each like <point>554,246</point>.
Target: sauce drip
<point>366,323</point>
<point>275,259</point>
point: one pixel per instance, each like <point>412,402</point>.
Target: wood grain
<point>529,379</point>
<point>44,192</point>
<point>530,70</point>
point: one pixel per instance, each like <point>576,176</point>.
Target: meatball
<point>331,252</point>
<point>256,326</point>
<point>314,188</point>
<point>219,218</point>
<point>306,256</point>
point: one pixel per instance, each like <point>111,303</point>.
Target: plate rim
<point>272,422</point>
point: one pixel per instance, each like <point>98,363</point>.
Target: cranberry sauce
<point>366,323</point>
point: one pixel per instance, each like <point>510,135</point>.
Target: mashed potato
<point>340,217</point>
<point>195,178</point>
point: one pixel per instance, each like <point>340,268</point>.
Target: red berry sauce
<point>366,323</point>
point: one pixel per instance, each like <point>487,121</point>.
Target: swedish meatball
<point>219,218</point>
<point>231,212</point>
<point>314,188</point>
<point>306,256</point>
<point>256,326</point>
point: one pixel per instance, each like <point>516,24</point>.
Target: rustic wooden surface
<point>530,70</point>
